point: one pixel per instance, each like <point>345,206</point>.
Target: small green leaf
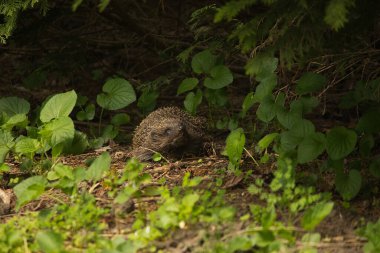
<point>368,122</point>
<point>261,66</point>
<point>234,147</point>
<point>120,119</point>
<point>288,119</point>
<point>14,105</point>
<point>310,82</point>
<point>6,143</point>
<point>203,61</point>
<point>87,114</point>
<point>304,105</point>
<point>78,145</point>
<point>349,185</point>
<point>267,140</point>
<point>187,84</point>
<point>217,97</point>
<point>366,143</point>
<point>311,147</point>
<point>265,88</point>
<point>29,189</point>
<point>16,120</point>
<point>267,110</point>
<point>27,145</point>
<point>247,104</point>
<point>374,167</point>
<point>98,167</point>
<point>303,128</point>
<point>289,140</point>
<point>221,76</point>
<point>117,93</point>
<point>340,142</point>
<point>156,157</point>
<point>148,100</point>
<point>314,215</point>
<point>49,241</point>
<point>192,101</point>
<point>59,105</point>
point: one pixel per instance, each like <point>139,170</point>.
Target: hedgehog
<point>167,130</point>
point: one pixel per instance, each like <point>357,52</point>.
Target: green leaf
<point>314,215</point>
<point>6,143</point>
<point>203,62</point>
<point>340,142</point>
<point>368,123</point>
<point>310,82</point>
<point>29,189</point>
<point>117,93</point>
<point>57,131</point>
<point>120,119</point>
<point>221,76</point>
<point>187,84</point>
<point>234,147</point>
<point>311,147</point>
<point>261,66</point>
<point>50,242</point>
<point>98,167</point>
<point>217,97</point>
<point>288,119</point>
<point>265,88</point>
<point>247,104</point>
<point>78,145</point>
<point>59,105</point>
<point>148,100</point>
<point>349,185</point>
<point>303,128</point>
<point>304,105</point>
<point>266,110</point>
<point>16,120</point>
<point>366,143</point>
<point>374,167</point>
<point>192,101</point>
<point>27,145</point>
<point>267,140</point>
<point>289,140</point>
<point>87,114</point>
<point>14,105</point>
<point>337,13</point>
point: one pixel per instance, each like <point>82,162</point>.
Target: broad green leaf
<point>188,202</point>
<point>6,143</point>
<point>265,88</point>
<point>27,145</point>
<point>368,123</point>
<point>240,243</point>
<point>261,66</point>
<point>340,142</point>
<point>203,62</point>
<point>314,215</point>
<point>220,76</point>
<point>57,131</point>
<point>311,147</point>
<point>77,145</point>
<point>216,97</point>
<point>310,82</point>
<point>247,104</point>
<point>14,105</point>
<point>304,105</point>
<point>29,189</point>
<point>59,105</point>
<point>187,84</point>
<point>49,241</point>
<point>267,140</point>
<point>98,167</point>
<point>117,93</point>
<point>16,120</point>
<point>234,147</point>
<point>374,167</point>
<point>192,101</point>
<point>267,110</point>
<point>120,119</point>
<point>289,140</point>
<point>287,119</point>
<point>349,185</point>
<point>303,128</point>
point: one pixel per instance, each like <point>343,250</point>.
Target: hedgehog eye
<point>154,135</point>
<point>168,131</point>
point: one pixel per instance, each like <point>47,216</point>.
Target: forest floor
<point>337,230</point>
